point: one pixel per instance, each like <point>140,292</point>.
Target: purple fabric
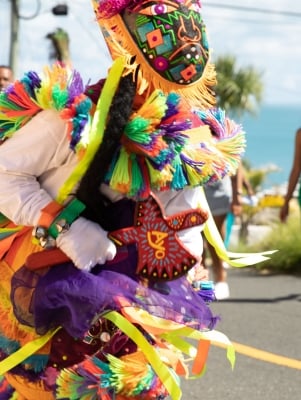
<point>68,297</point>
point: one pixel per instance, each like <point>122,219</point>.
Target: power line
<point>16,10</point>
<point>257,10</point>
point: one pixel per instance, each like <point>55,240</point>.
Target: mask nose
<point>188,30</point>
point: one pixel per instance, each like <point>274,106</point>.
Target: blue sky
<point>269,42</point>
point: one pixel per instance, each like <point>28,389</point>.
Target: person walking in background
<point>293,178</point>
<point>6,76</point>
<point>223,197</point>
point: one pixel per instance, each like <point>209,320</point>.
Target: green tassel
<point>37,362</point>
<point>59,97</point>
<point>136,130</point>
<point>121,179</point>
<point>179,180</point>
<point>137,178</point>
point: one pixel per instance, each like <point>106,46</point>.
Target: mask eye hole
<point>155,9</point>
<point>161,8</point>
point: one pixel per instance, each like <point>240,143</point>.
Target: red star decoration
<point>161,255</point>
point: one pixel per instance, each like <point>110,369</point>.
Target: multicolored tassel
<point>166,138</point>
<point>59,89</point>
<point>130,376</point>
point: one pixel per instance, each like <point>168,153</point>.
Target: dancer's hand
<point>86,244</point>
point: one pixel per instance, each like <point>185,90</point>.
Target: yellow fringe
<point>10,326</point>
<point>57,76</point>
<point>132,368</point>
<point>153,108</point>
<point>29,390</point>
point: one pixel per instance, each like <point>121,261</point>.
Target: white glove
<point>86,244</point>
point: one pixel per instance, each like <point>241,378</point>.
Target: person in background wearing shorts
<point>223,196</point>
<point>293,178</point>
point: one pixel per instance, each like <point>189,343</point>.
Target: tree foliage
<point>239,89</point>
<point>60,42</point>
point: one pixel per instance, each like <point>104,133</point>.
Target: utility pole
<point>14,34</point>
<point>60,9</point>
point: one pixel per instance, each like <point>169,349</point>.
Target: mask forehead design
<point>171,35</point>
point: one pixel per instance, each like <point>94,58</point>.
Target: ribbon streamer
<point>214,238</point>
<point>96,130</point>
<point>24,352</point>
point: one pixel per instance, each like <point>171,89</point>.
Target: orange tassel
<point>201,357</point>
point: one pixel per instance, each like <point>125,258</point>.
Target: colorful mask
<point>171,37</point>
<point>167,39</point>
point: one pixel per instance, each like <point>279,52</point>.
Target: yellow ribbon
<point>97,129</point>
<point>173,333</point>
<point>214,238</point>
<point>165,375</point>
<point>215,337</point>
<point>24,352</point>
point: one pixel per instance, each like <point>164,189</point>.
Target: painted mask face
<point>171,36</point>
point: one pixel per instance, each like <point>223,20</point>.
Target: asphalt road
<point>263,313</point>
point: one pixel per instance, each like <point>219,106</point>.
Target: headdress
<point>168,42</point>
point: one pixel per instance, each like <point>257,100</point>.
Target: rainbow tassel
<point>154,108</point>
<point>137,182</point>
<point>59,89</point>
<point>173,102</point>
<point>178,180</point>
<point>120,178</point>
<point>173,150</point>
<point>141,134</point>
<point>130,376</point>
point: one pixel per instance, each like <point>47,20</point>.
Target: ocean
<point>270,140</point>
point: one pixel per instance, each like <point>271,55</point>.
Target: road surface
<point>263,318</point>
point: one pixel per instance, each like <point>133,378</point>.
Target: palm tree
<point>239,90</point>
<point>60,42</point>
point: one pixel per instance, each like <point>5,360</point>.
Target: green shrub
<point>286,238</point>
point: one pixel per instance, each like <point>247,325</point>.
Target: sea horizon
<point>270,138</point>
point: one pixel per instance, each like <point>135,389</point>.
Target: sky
<point>265,40</point>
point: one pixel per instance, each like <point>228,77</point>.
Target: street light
<point>60,9</point>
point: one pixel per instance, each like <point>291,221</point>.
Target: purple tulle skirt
<point>65,296</point>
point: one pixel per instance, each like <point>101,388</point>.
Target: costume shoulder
<point>166,144</point>
<point>59,88</point>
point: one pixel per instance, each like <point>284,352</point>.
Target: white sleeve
<point>34,151</point>
<point>174,202</point>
